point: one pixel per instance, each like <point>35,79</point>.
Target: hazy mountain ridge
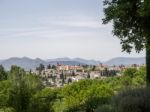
<point>88,62</point>
<point>125,61</point>
<point>28,63</point>
<point>79,60</point>
<point>24,62</point>
<point>66,62</point>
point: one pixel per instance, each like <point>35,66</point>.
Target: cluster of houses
<point>61,75</point>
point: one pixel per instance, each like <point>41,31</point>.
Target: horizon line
<point>21,57</point>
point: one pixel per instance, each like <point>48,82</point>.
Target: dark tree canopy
<point>131,24</point>
<point>3,74</point>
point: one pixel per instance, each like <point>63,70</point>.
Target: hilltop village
<point>60,75</point>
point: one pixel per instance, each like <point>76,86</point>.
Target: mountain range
<point>125,61</point>
<point>28,63</point>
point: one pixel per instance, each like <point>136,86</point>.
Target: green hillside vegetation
<point>24,92</point>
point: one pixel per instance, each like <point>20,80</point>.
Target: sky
<point>57,28</point>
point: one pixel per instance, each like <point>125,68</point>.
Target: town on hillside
<point>60,75</point>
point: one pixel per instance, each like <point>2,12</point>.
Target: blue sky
<point>56,28</point>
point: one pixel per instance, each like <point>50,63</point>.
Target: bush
<point>7,109</point>
<point>131,72</point>
<point>43,100</point>
<point>86,95</point>
<point>133,77</point>
<point>104,108</point>
<point>132,100</point>
<point>126,81</point>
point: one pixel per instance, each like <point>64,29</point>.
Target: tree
<point>23,87</point>
<point>131,25</point>
<point>49,66</point>
<point>86,95</point>
<point>93,68</point>
<point>4,92</point>
<point>131,72</point>
<point>19,97</point>
<point>3,74</point>
<point>54,67</point>
<point>43,100</point>
<point>19,93</point>
<point>40,68</point>
<point>16,73</point>
<point>73,73</point>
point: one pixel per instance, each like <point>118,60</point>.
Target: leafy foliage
<point>87,95</point>
<point>129,21</point>
<point>43,100</point>
<point>3,74</point>
<point>104,108</point>
<point>131,25</point>
<point>23,92</point>
<point>132,100</point>
<point>4,93</point>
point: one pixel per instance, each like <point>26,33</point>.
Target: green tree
<point>3,74</point>
<point>140,77</point>
<point>40,68</point>
<point>23,87</point>
<point>131,25</point>
<point>19,94</point>
<point>86,95</point>
<point>54,67</point>
<point>19,97</point>
<point>131,72</point>
<point>16,73</point>
<point>93,68</point>
<point>49,66</point>
<point>43,100</point>
<point>34,83</point>
<point>4,93</point>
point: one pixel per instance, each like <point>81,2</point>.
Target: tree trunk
<point>148,62</point>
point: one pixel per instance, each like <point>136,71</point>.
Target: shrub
<point>104,108</point>
<point>132,100</point>
<point>7,109</point>
<point>131,72</point>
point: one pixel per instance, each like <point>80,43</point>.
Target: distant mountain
<point>24,62</point>
<point>28,63</point>
<point>66,63</point>
<point>88,62</point>
<point>125,61</point>
<point>76,60</point>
